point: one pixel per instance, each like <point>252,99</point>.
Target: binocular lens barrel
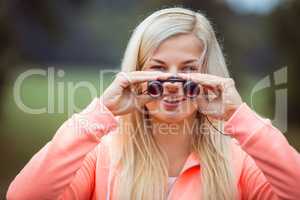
<point>155,88</point>
<point>190,88</point>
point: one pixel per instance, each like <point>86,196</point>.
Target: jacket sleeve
<point>64,167</point>
<point>272,167</point>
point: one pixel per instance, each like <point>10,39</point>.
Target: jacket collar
<point>191,161</point>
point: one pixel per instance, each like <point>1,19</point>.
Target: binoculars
<point>155,88</point>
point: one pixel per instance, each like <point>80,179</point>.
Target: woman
<point>165,143</point>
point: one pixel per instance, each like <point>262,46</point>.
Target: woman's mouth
<point>171,103</point>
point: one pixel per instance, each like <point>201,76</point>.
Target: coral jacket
<point>75,163</point>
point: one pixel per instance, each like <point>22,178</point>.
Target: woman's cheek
<point>189,107</point>
<point>152,105</point>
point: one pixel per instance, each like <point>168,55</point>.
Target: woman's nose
<point>173,70</point>
<point>173,88</point>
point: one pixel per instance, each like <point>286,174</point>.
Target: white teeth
<point>172,100</point>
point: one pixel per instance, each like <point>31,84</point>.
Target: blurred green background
<point>82,38</point>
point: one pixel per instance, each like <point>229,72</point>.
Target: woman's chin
<point>173,116</point>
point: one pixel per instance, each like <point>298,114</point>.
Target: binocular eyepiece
<point>190,88</point>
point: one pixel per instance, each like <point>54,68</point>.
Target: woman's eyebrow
<point>190,61</point>
<point>157,60</point>
<point>184,62</point>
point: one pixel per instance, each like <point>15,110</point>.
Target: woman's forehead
<point>185,46</point>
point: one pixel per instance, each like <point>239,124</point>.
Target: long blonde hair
<point>142,165</point>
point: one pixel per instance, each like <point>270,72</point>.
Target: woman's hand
<point>119,97</point>
<point>218,97</point>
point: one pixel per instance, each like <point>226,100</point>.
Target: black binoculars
<point>155,88</point>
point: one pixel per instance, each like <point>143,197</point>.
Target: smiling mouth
<point>173,100</point>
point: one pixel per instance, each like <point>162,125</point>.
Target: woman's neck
<point>175,141</point>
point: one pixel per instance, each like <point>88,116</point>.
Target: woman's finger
<point>127,79</point>
<point>142,76</point>
<point>202,78</point>
<point>209,82</point>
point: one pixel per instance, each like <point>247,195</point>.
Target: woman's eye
<point>158,68</point>
<point>189,69</point>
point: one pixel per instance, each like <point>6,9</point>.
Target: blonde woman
<point>156,132</point>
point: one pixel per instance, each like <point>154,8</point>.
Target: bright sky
<point>253,6</point>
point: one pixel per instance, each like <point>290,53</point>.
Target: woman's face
<point>177,54</point>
